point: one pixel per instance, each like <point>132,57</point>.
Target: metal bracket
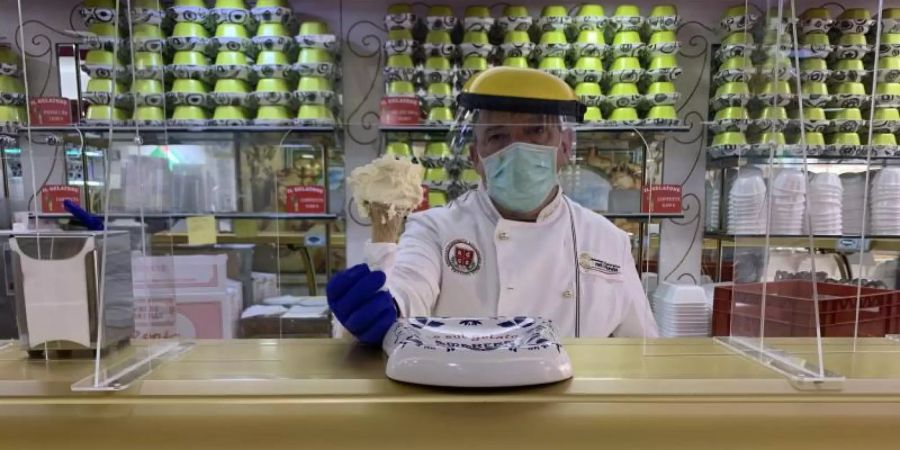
<point>852,245</point>
<point>802,374</point>
<point>315,237</point>
<point>121,375</point>
<point>54,139</point>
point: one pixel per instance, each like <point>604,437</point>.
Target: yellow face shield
<point>504,105</point>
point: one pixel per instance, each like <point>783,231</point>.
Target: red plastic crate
<point>789,310</point>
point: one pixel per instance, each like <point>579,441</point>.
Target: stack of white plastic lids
<point>682,310</point>
<point>826,196</point>
<point>747,203</point>
<point>788,202</point>
<point>852,202</point>
<point>713,200</point>
<point>885,202</point>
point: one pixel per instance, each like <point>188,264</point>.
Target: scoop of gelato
<point>394,183</point>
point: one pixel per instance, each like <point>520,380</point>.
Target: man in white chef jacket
<point>516,246</point>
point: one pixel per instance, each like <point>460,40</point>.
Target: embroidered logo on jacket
<point>462,257</point>
<point>589,263</point>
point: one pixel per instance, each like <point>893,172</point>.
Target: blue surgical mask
<point>521,176</point>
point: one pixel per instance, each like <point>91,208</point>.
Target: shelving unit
<point>842,244</point>
<point>683,128</point>
<point>854,159</point>
<point>735,161</point>
<point>322,143</point>
<point>297,238</point>
<point>579,129</point>
<point>717,241</point>
<point>170,129</point>
<point>640,216</point>
<point>218,216</point>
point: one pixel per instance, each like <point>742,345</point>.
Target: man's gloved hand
<point>82,217</point>
<point>355,299</point>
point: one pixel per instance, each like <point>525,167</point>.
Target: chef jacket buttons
<point>503,236</point>
<point>567,293</point>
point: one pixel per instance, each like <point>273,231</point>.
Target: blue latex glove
<point>355,299</point>
<point>90,221</point>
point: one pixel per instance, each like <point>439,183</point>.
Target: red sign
<point>305,199</point>
<point>400,111</point>
<point>52,197</point>
<point>424,205</point>
<point>661,198</point>
<point>49,111</point>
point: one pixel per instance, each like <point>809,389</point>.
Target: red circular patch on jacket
<point>462,257</point>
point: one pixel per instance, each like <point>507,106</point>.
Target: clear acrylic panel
<point>71,279</point>
<point>854,301</point>
<point>136,191</point>
<point>871,255</point>
<point>774,312</point>
<point>240,233</point>
<point>613,159</point>
<point>604,173</point>
<point>204,220</point>
<point>616,174</point>
<point>759,208</point>
<point>159,183</point>
<point>11,159</point>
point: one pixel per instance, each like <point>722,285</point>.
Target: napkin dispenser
<point>55,278</point>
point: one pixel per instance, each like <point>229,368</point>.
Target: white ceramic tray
<point>475,352</point>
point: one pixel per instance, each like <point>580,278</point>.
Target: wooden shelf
<point>639,216</point>
<point>824,242</point>
<point>263,237</point>
<point>734,161</point>
<point>220,216</point>
<point>167,129</point>
<point>579,129</point>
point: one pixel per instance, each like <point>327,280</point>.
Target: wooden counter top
<point>328,368</point>
<point>271,394</point>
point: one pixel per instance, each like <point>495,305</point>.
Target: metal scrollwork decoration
<point>702,44</point>
<point>692,208</point>
<point>695,53</point>
<point>39,45</point>
<point>695,120</point>
<point>74,17</point>
<point>361,118</point>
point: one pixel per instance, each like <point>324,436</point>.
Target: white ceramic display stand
<point>475,352</point>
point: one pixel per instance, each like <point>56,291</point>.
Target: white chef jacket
<point>465,260</point>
